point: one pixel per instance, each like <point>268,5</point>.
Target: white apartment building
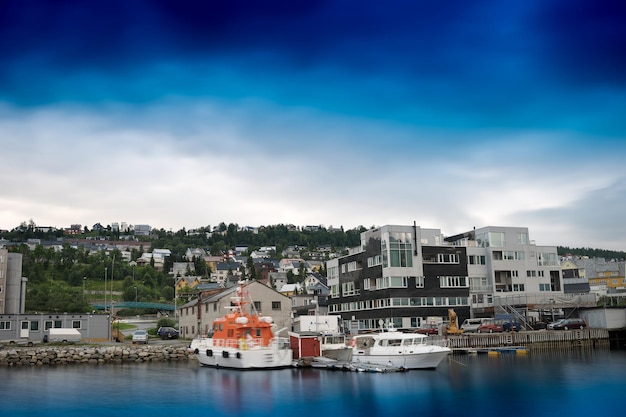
<point>506,268</point>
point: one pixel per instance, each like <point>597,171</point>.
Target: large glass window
<point>398,252</point>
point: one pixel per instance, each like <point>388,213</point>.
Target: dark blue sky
<point>459,90</point>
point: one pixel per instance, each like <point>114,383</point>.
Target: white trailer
<point>64,335</point>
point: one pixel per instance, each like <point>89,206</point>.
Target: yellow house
<point>189,282</point>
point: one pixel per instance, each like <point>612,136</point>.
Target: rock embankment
<point>92,355</point>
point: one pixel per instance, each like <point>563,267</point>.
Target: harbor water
<point>559,383</point>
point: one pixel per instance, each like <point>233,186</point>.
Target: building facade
<point>408,275</point>
<point>400,275</point>
<point>508,272</point>
<point>196,317</point>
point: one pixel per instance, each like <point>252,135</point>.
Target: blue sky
<point>451,114</point>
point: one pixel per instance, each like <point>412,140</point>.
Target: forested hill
<point>591,253</point>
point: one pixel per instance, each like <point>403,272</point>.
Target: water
<point>575,383</point>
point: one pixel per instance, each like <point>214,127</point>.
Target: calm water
<point>569,383</point>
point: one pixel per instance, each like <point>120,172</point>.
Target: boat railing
<point>280,343</point>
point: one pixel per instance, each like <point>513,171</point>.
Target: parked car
<point>568,324</point>
<point>140,336</point>
<point>472,325</point>
<point>167,333</point>
<point>492,327</point>
<point>429,329</point>
<point>512,326</point>
<point>555,323</point>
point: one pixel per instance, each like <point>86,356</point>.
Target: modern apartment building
<point>400,275</point>
<point>506,268</point>
<point>407,275</point>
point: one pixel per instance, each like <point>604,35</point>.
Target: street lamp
<point>135,295</point>
<point>84,280</point>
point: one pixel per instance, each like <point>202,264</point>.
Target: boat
<point>243,340</point>
<point>393,348</point>
<point>334,346</point>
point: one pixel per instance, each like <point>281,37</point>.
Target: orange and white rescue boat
<point>243,340</point>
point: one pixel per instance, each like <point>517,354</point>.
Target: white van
<point>472,325</point>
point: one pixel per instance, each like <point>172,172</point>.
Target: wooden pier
<point>529,340</point>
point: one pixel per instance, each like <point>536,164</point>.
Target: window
<point>257,306</point>
<point>47,325</point>
<point>374,261</point>
<point>75,324</point>
<point>497,255</point>
<point>518,287</point>
<point>334,291</point>
<point>522,238</point>
<point>531,274</point>
<point>398,251</point>
<point>399,282</point>
<point>514,255</point>
<point>5,325</point>
<point>353,266</point>
<point>476,260</point>
<point>419,282</point>
<point>448,258</point>
<point>367,283</point>
<point>58,324</point>
<point>453,282</point>
<point>275,305</point>
<point>496,239</point>
<point>34,326</point>
<point>391,282</point>
<point>544,287</point>
<point>348,288</point>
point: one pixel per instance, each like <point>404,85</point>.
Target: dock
<point>344,366</point>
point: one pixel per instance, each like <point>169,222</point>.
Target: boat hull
<point>343,354</point>
<point>271,357</point>
<point>425,360</point>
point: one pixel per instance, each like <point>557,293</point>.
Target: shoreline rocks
<point>92,355</point>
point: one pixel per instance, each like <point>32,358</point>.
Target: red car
<point>430,329</point>
<point>490,328</point>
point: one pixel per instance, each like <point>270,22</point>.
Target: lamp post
<point>135,295</point>
<point>84,280</point>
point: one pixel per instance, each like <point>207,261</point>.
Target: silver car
<point>140,336</point>
<point>556,323</point>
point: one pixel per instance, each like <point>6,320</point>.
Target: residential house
<point>182,268</point>
<point>574,278</point>
<point>291,289</point>
<point>277,279</point>
<point>192,253</point>
<point>196,317</point>
<point>186,282</point>
<point>225,269</point>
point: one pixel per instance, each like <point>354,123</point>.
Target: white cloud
<point>175,164</point>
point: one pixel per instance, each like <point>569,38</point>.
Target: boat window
<point>407,342</point>
<point>257,332</point>
<point>394,342</point>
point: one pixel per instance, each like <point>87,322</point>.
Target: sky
<point>449,114</point>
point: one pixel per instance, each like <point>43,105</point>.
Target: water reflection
<point>511,385</point>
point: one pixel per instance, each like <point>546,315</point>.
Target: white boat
<point>334,346</point>
<point>242,340</point>
<point>395,349</point>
